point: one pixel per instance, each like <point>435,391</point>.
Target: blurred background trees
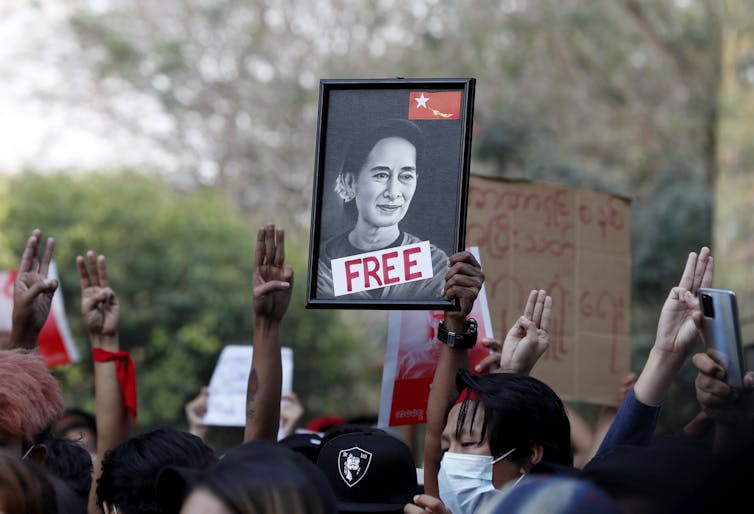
<point>181,266</point>
<point>618,96</point>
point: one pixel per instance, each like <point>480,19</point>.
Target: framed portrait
<point>390,191</point>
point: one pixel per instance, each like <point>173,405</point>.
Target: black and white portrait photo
<point>389,194</point>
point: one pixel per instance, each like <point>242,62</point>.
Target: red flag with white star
<point>434,105</point>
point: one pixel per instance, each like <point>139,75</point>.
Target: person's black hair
<point>38,438</point>
<point>519,411</point>
<point>28,487</point>
<point>129,470</point>
<point>75,417</point>
<point>67,500</point>
<point>263,476</point>
<point>364,140</point>
<point>69,461</point>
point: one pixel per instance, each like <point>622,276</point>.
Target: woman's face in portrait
<point>386,182</point>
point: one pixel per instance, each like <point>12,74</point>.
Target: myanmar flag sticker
<point>434,105</point>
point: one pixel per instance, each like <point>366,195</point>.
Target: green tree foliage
<point>619,96</point>
<point>181,265</point>
<point>596,94</point>
<point>6,251</point>
<point>735,186</point>
<point>226,78</point>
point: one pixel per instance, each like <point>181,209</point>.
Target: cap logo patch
<point>353,464</point>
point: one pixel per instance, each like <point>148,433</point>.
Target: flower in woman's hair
<point>343,191</point>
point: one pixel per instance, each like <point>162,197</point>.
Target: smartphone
<point>722,332</point>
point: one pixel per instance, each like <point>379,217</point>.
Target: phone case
<point>722,331</point>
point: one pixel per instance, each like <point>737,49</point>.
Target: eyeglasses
<point>28,452</point>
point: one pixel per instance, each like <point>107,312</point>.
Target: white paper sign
<point>226,404</point>
<point>372,270</point>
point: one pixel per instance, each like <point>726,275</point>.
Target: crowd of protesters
<point>496,442</point>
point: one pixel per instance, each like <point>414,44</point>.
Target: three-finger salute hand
<point>272,279</point>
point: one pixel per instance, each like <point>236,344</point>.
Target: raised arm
<point>677,330</point>
<point>463,280</point>
<point>272,281</point>
<point>100,312</point>
<point>32,293</point>
<point>677,335</point>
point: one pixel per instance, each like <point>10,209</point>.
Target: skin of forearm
<point>111,415</point>
<point>265,381</point>
<point>441,393</point>
<point>23,339</point>
<point>657,377</point>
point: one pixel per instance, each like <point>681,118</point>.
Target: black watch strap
<point>464,340</point>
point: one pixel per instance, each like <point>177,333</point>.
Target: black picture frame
<point>434,210</point>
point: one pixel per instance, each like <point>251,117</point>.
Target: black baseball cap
<point>369,471</point>
<point>307,444</point>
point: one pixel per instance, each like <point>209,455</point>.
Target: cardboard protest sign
<point>56,344</point>
<point>226,403</point>
<point>574,243</point>
<point>411,357</point>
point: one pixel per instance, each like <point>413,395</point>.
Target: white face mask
<point>465,481</point>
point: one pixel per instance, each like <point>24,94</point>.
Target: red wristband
<point>126,370</point>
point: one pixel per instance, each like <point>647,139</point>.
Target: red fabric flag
<point>434,105</point>
<point>51,343</point>
<point>55,343</point>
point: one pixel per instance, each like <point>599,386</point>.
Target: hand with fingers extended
<point>272,279</point>
<point>272,283</point>
<point>525,342</point>
<point>100,308</point>
<point>32,292</point>
<point>463,281</point>
<point>680,318</point>
<point>678,330</point>
<point>115,390</point>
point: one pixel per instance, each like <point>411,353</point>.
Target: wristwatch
<point>464,340</point>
